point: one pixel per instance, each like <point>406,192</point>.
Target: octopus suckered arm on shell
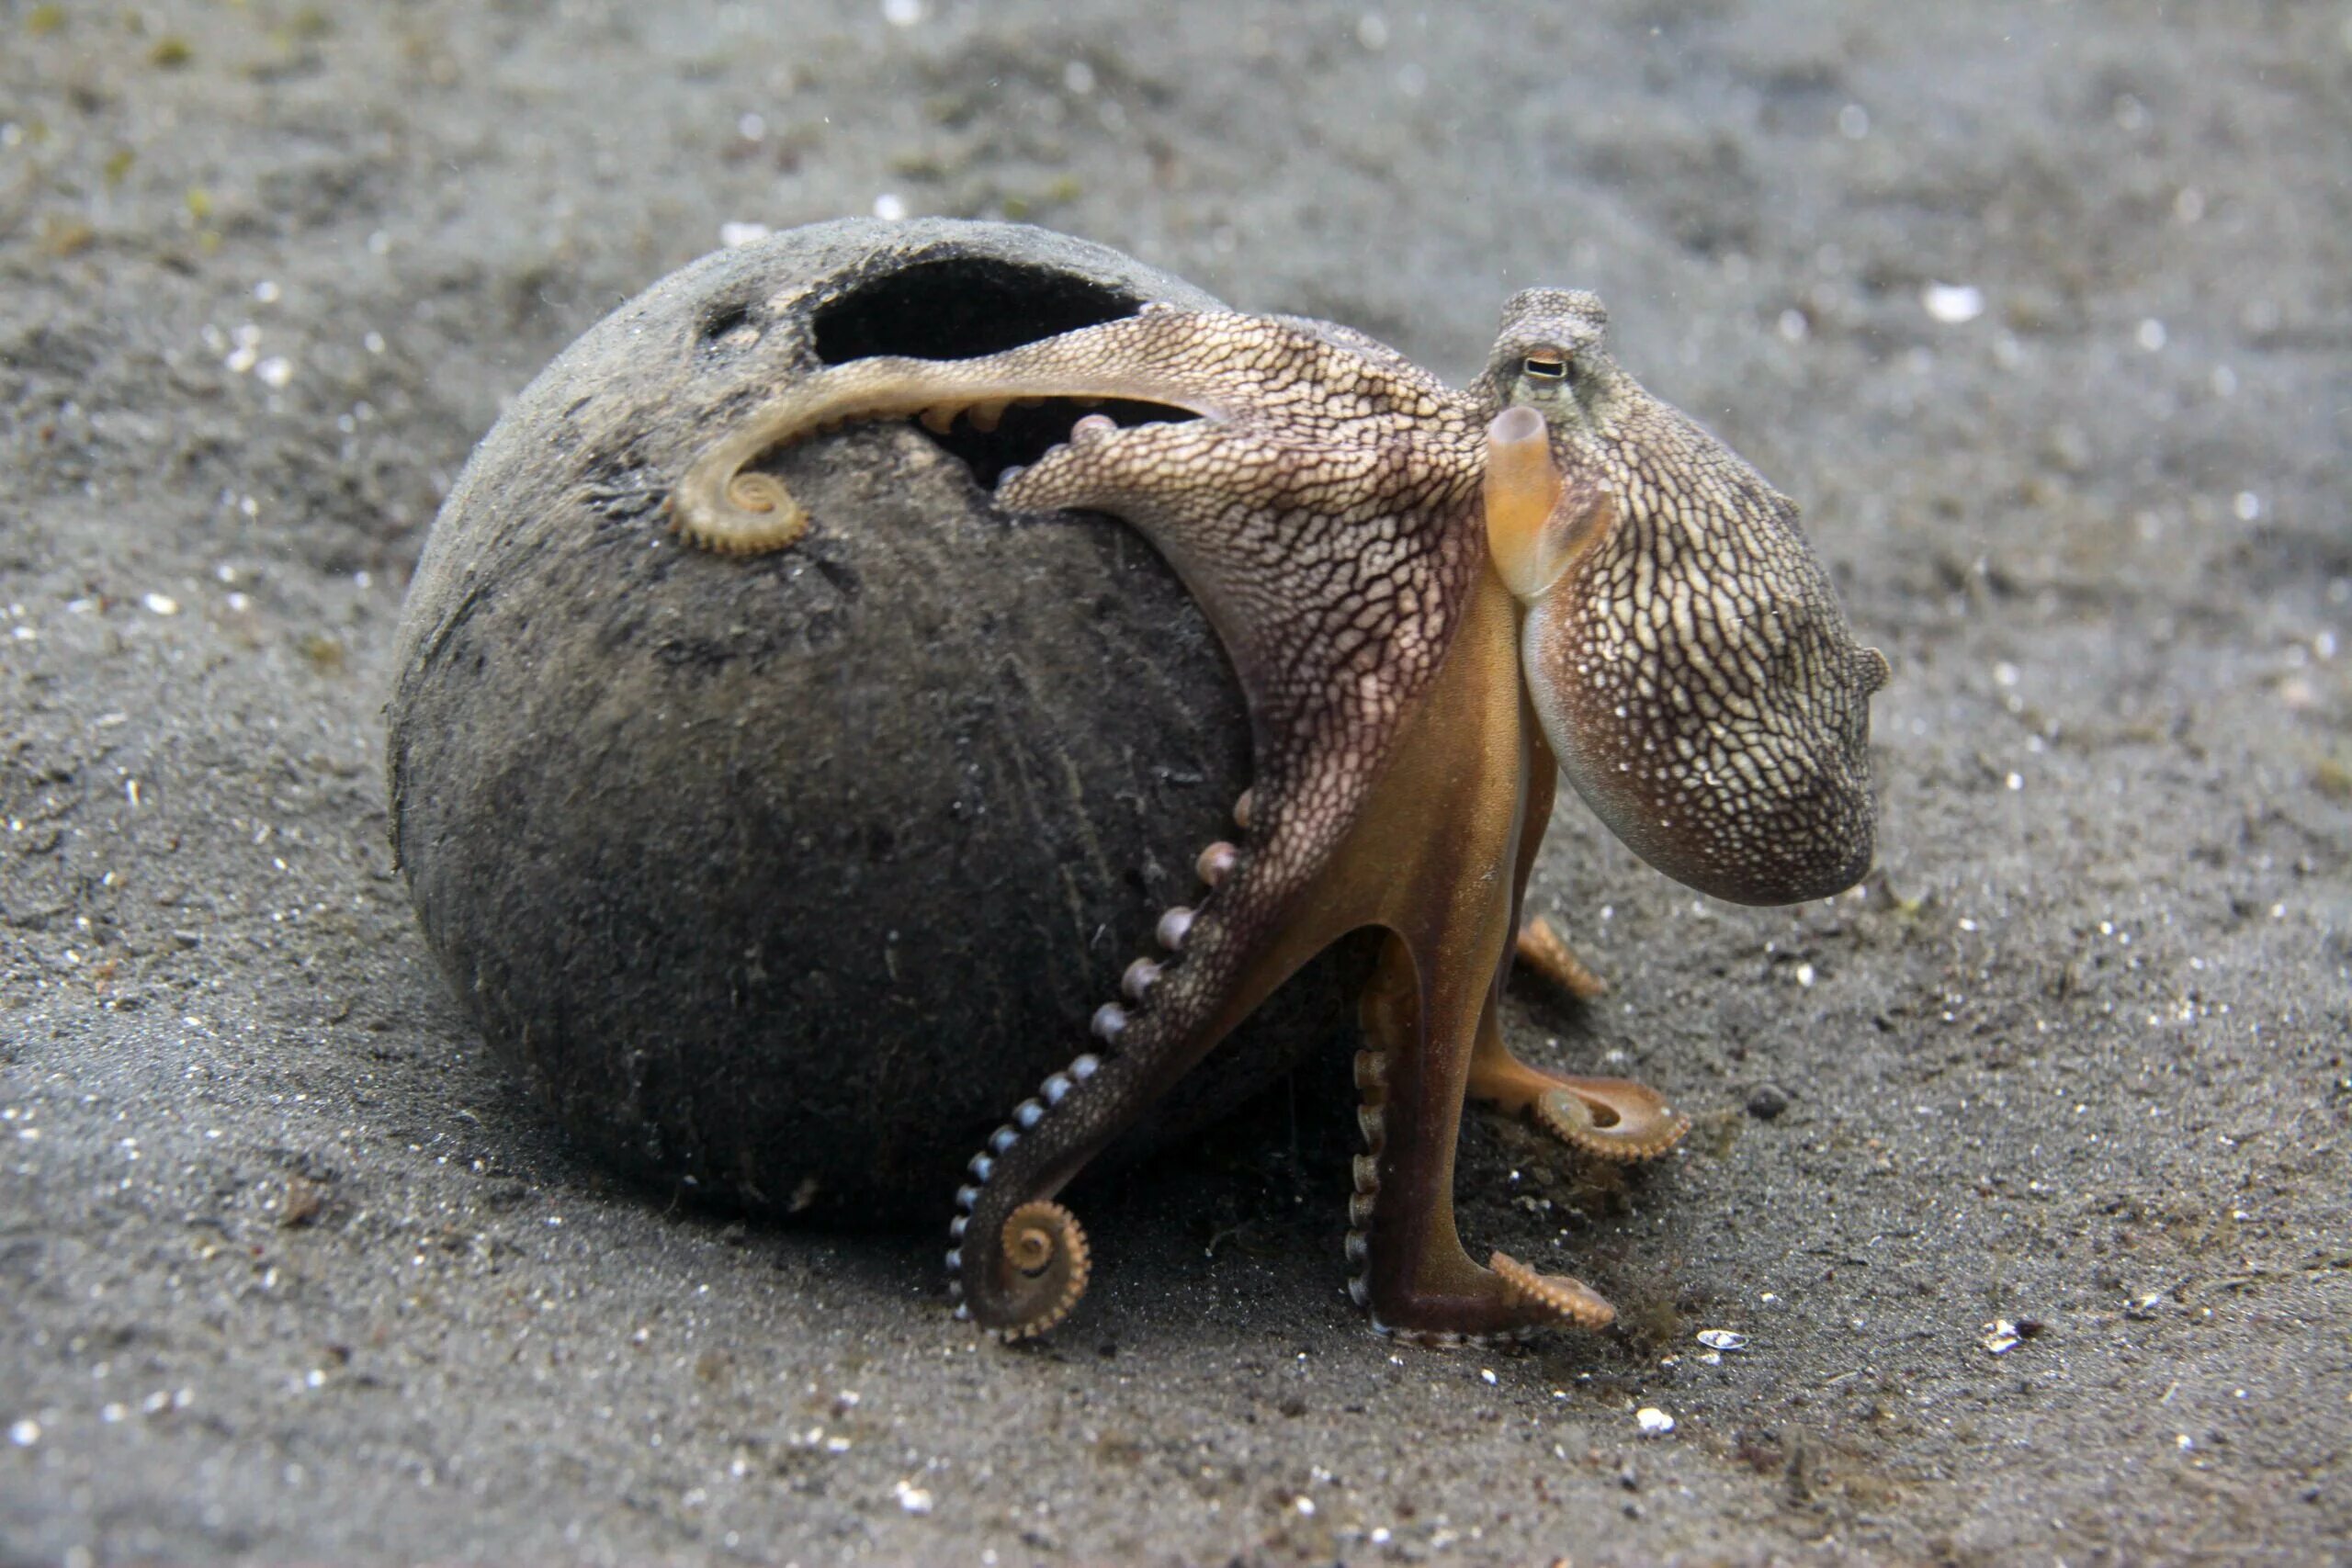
<point>1436,602</point>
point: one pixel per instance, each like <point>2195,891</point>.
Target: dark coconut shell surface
<point>783,879</point>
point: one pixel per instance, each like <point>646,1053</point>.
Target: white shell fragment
<point>1653,1422</point>
<point>1952,303</point>
<point>2001,1337</point>
<point>1722,1339</point>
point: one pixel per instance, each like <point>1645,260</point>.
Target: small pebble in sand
<point>1653,1422</point>
<point>1766,1100</point>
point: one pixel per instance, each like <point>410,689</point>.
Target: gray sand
<point>290,1271</point>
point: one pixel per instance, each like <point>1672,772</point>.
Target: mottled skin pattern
<point>1698,657</point>
<point>1428,595</point>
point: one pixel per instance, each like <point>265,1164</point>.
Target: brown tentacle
<point>1571,1301</point>
<point>1545,951</point>
<point>1019,1262</point>
<point>762,515</point>
<point>1372,1082</point>
<point>1614,1119</point>
<point>1430,1008</point>
<point>1044,1266</point>
<point>1182,359</point>
<point>1322,716</point>
<point>1611,1119</point>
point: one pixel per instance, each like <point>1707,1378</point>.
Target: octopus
<point>1437,601</point>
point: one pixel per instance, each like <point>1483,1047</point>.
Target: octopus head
<point>1682,647</point>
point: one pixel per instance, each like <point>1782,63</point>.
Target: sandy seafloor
<point>2077,1057</point>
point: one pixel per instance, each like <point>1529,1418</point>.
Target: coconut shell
<point>783,878</point>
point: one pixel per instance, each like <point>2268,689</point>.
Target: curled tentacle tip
<point>758,492</point>
<point>1570,1302</point>
<point>1217,863</point>
<point>752,513</point>
<point>1043,1269</point>
<point>1611,1119</point>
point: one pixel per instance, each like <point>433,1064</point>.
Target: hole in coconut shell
<point>963,307</point>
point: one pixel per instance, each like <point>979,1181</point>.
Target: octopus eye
<point>1546,366</point>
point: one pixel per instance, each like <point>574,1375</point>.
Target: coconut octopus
<point>1436,602</point>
